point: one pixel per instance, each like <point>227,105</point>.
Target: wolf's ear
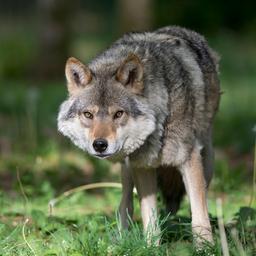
<point>130,74</point>
<point>78,75</point>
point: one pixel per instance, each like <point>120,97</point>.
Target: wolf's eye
<point>118,114</point>
<point>88,115</point>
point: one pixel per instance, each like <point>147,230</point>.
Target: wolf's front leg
<point>193,176</point>
<point>126,205</point>
<point>146,183</point>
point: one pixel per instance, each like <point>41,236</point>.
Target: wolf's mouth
<point>103,155</point>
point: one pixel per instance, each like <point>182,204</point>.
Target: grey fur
<point>174,112</point>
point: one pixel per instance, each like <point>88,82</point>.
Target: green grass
<point>86,224</point>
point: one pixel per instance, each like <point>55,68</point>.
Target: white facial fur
<point>129,138</point>
<point>134,133</point>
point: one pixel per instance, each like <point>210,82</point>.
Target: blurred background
<point>36,38</point>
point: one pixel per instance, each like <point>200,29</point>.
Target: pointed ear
<point>77,74</point>
<point>130,74</point>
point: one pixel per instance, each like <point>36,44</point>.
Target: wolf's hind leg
<point>172,187</point>
<point>126,204</point>
<point>146,183</point>
<point>207,154</point>
<point>193,176</point>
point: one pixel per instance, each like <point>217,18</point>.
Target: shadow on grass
<point>240,232</point>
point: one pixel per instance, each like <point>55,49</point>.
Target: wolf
<point>149,102</point>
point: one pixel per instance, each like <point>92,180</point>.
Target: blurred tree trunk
<point>135,15</point>
<point>55,18</point>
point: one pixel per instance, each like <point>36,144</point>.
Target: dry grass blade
<point>24,237</point>
<point>53,201</point>
<point>223,237</point>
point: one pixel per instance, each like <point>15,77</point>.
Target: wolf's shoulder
<point>161,34</point>
<point>206,57</point>
<point>181,32</point>
<point>195,41</point>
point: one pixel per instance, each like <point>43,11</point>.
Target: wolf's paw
<point>202,236</point>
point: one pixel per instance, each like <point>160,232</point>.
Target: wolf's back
<point>206,57</point>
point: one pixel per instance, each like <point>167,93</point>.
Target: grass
<point>86,224</point>
<point>37,164</point>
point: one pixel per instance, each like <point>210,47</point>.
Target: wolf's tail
<point>172,187</point>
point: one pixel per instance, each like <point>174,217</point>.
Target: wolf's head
<point>106,112</point>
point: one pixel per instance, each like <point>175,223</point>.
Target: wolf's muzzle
<point>100,145</point>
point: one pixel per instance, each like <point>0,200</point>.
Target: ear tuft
<point>77,74</point>
<point>130,73</point>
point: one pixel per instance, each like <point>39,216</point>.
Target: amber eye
<point>88,115</point>
<point>118,114</point>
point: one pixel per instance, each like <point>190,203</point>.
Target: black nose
<point>100,145</point>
